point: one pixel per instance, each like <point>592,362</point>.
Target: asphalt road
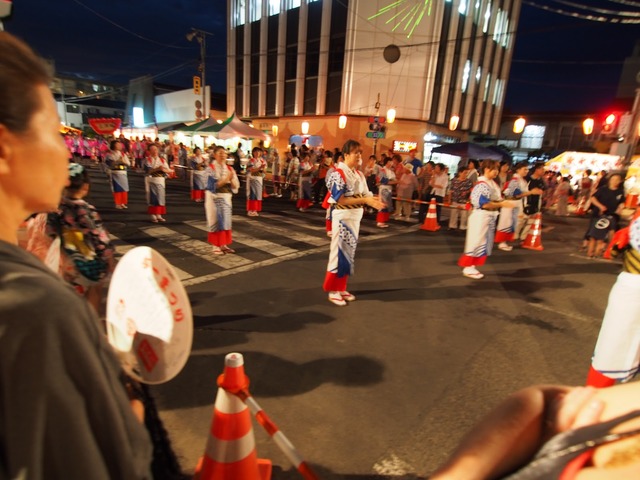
<point>386,386</point>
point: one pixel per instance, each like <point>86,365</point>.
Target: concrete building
<point>295,61</point>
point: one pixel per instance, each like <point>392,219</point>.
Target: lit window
<point>95,88</point>
<point>506,36</point>
<point>465,75</point>
<point>255,10</point>
<point>487,86</point>
<point>462,9</point>
<point>497,92</point>
<point>293,4</point>
<point>487,17</point>
<point>274,7</point>
<point>532,137</point>
<point>478,74</point>
<point>240,13</point>
<point>476,12</point>
<point>311,1</point>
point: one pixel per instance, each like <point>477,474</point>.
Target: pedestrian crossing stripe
<point>283,232</point>
<point>233,264</point>
<point>266,246</point>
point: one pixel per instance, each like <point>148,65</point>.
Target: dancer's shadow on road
<point>271,376</point>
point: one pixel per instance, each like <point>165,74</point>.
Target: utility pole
<point>200,36</point>
<point>632,137</point>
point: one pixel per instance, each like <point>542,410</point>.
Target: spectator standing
<point>607,203</point>
<point>460,191</point>
<point>64,406</point>
<point>386,180</point>
<point>406,187</point>
<point>563,190</point>
<point>439,185</point>
<point>424,189</point>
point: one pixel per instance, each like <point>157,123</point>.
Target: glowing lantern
<point>342,121</point>
<point>453,122</point>
<point>587,126</point>
<point>305,128</point>
<point>518,125</point>
<point>391,115</point>
<point>274,130</point>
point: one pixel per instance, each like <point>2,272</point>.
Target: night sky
<point>560,63</point>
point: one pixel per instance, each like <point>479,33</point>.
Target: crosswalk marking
<point>122,248</point>
<point>298,222</point>
<point>284,232</point>
<point>195,247</point>
<point>272,248</point>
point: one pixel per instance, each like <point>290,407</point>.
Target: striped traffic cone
<point>230,453</point>
<point>431,221</point>
<point>534,237</point>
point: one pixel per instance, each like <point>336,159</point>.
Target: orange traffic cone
<point>230,453</point>
<point>534,237</point>
<point>431,221</point>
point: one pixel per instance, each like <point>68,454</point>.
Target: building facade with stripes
<point>295,61</point>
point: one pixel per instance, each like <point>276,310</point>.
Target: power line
<point>108,20</point>
<point>603,11</point>
<point>582,16</point>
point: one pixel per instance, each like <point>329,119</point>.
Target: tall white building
<point>312,60</point>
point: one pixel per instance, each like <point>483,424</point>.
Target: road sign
<point>375,134</point>
<point>376,119</point>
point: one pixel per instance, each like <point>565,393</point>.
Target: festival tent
<point>233,127</point>
<point>468,150</point>
<point>198,126</point>
<point>574,163</point>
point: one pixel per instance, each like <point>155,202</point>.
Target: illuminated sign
<point>401,146</point>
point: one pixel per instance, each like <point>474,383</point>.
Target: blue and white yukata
<point>117,164</point>
<point>198,178</point>
<point>385,191</point>
<point>508,221</point>
<point>345,225</point>
<point>481,225</point>
<point>255,184</point>
<point>217,203</point>
<point>155,186</point>
<point>617,351</point>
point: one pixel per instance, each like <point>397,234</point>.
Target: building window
<point>465,75</point>
<point>274,7</point>
<point>497,92</point>
<point>477,10</point>
<point>255,10</point>
<point>292,4</point>
<point>532,137</point>
<point>478,74</point>
<point>462,8</point>
<point>487,17</point>
<point>311,1</point>
<point>487,86</point>
<point>241,8</point>
<point>501,28</point>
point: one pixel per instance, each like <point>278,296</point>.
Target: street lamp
<point>199,35</point>
<point>453,122</point>
<point>391,115</point>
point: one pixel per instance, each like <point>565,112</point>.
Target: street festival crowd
<point>60,379</point>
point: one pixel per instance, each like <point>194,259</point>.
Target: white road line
<point>123,248</point>
<point>272,248</point>
<point>195,247</point>
<point>283,258</point>
<point>283,232</point>
<point>298,221</point>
